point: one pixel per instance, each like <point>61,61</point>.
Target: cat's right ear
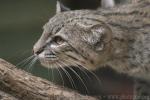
<point>61,8</point>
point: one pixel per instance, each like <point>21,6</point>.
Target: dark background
<point>21,24</point>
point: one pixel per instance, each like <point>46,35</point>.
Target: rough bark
<point>24,86</point>
<point>5,96</point>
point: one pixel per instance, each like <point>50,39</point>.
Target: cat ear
<point>103,31</point>
<point>99,31</point>
<point>61,8</point>
<point>102,34</point>
<point>99,35</point>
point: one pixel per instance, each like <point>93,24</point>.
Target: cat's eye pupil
<point>58,40</point>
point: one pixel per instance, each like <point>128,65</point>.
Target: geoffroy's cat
<point>118,37</point>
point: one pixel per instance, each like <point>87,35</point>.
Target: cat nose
<point>37,51</point>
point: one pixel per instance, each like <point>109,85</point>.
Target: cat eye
<point>58,40</point>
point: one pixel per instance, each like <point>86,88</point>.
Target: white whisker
<point>52,70</point>
<point>30,66</point>
<point>97,78</point>
<point>49,76</point>
<point>61,76</point>
<point>25,61</point>
<point>82,67</point>
<point>68,75</point>
<point>79,78</point>
<point>79,68</point>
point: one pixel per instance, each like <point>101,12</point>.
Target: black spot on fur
<point>92,62</point>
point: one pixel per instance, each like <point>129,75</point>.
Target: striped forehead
<point>60,20</point>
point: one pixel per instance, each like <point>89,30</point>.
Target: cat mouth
<point>51,56</point>
<point>48,58</point>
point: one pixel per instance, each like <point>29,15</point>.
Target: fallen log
<point>25,86</point>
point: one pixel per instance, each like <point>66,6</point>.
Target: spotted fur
<point>118,37</point>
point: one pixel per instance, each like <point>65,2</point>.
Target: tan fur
<point>118,37</point>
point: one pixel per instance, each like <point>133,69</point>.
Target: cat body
<point>118,37</point>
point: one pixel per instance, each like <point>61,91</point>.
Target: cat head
<point>75,38</point>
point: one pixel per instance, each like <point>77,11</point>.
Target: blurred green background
<point>21,24</point>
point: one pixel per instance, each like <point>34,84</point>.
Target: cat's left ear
<point>61,7</point>
<point>100,34</point>
<point>103,36</point>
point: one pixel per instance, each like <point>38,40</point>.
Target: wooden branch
<point>5,96</point>
<point>24,86</point>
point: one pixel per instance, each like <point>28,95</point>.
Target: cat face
<point>73,40</point>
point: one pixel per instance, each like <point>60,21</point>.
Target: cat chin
<point>48,64</point>
<point>57,65</point>
<point>48,60</point>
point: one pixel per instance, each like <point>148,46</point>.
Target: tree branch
<point>5,96</point>
<point>24,86</point>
